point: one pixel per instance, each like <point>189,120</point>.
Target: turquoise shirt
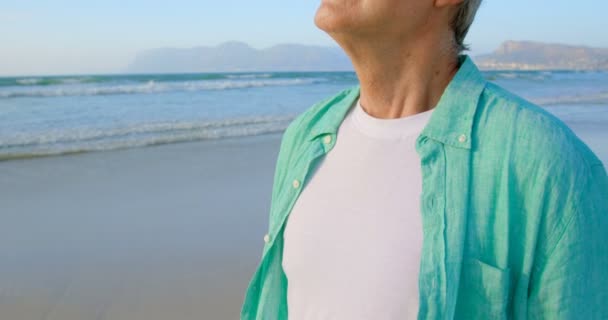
<point>514,208</point>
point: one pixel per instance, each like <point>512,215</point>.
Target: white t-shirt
<point>354,236</point>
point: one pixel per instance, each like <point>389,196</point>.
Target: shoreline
<point>25,156</point>
<point>167,231</point>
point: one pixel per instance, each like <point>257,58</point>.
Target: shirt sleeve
<point>572,281</point>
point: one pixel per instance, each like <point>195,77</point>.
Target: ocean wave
<point>518,75</point>
<point>151,87</point>
<point>43,81</point>
<point>249,76</point>
<point>29,81</point>
<point>97,139</point>
<point>595,98</point>
<point>48,81</point>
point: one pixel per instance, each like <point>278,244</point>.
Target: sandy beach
<point>164,232</point>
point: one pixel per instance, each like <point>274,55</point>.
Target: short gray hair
<point>462,22</point>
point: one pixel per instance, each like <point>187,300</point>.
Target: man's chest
<point>355,228</point>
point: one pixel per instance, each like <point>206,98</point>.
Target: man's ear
<point>447,3</point>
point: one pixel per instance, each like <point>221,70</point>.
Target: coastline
<point>143,233</point>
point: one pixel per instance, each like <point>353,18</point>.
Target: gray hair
<point>462,22</point>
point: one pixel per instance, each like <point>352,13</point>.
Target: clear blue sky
<point>75,36</point>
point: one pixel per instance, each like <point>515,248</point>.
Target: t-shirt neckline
<point>389,128</point>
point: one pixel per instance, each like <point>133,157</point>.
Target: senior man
<point>425,191</point>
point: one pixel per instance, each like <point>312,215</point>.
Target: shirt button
<point>327,139</point>
<point>462,138</point>
<point>267,238</point>
<point>296,183</point>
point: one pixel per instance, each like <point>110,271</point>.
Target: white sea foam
<point>249,76</point>
<point>595,98</point>
<point>28,81</point>
<point>53,142</point>
<point>149,87</point>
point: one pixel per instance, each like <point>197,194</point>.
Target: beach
<point>171,231</point>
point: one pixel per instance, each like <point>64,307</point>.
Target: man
<point>426,192</point>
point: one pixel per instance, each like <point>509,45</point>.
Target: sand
<point>163,232</point>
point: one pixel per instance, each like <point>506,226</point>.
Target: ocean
<point>53,115</point>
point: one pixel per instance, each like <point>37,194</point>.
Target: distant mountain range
<point>236,56</point>
<point>529,55</point>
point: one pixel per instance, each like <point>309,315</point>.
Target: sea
<point>55,115</point>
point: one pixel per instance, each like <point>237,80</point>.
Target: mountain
<point>236,56</point>
<point>530,55</point>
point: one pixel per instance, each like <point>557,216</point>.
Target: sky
<point>75,37</point>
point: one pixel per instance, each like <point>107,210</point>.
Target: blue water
<point>65,114</point>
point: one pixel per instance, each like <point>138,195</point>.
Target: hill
<point>236,56</point>
<point>529,55</point>
<point>239,57</point>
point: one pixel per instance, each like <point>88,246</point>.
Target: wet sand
<point>164,232</point>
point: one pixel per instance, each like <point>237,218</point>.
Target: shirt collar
<point>450,123</point>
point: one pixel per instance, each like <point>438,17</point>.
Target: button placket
<point>296,186</point>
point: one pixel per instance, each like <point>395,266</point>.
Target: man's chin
<point>321,16</point>
<point>328,20</point>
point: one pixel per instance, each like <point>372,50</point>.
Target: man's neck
<point>399,80</point>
